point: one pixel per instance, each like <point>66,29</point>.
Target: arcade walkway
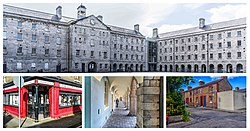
<point>120,118</point>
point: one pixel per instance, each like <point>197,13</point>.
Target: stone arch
<point>220,68</point>
<point>203,68</point>
<point>229,68</point>
<point>196,68</point>
<point>126,67</point>
<point>131,67</point>
<point>239,68</point>
<point>166,68</point>
<point>136,67</point>
<point>182,68</point>
<point>170,68</point>
<point>160,68</point>
<point>133,97</point>
<point>120,67</point>
<point>211,68</point>
<point>114,67</point>
<point>189,68</point>
<point>176,68</point>
<point>141,67</point>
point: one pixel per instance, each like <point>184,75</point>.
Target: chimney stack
<point>155,33</point>
<point>100,18</point>
<point>223,77</point>
<point>201,23</point>
<point>201,82</point>
<point>236,88</point>
<point>136,27</point>
<point>59,12</point>
<point>189,87</point>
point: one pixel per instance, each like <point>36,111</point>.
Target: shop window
<point>69,99</point>
<point>210,99</point>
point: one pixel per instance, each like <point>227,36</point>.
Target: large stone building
<point>36,41</point>
<point>218,47</point>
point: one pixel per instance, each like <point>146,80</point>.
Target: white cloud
<point>227,12</point>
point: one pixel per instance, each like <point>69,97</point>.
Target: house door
<point>205,101</point>
<point>92,67</point>
<point>201,100</point>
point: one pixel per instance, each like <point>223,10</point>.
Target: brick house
<point>205,95</point>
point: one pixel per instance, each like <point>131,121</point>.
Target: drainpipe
<point>207,53</point>
<point>36,101</point>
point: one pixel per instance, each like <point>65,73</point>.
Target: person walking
<point>117,102</point>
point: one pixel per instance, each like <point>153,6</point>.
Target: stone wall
<point>148,107</point>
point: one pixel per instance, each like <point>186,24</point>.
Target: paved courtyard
<point>206,118</point>
<point>120,118</point>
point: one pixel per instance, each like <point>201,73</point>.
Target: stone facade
<point>218,47</point>
<point>149,103</point>
<point>206,94</point>
<point>41,42</point>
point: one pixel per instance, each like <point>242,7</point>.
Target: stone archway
<point>141,68</point>
<point>189,68</point>
<point>170,68</point>
<point>160,68</point>
<point>229,68</point>
<point>211,68</point>
<point>115,67</point>
<point>176,68</point>
<point>166,68</point>
<point>196,68</point>
<point>182,68</point>
<point>132,96</point>
<point>121,67</point>
<point>220,68</point>
<point>92,67</point>
<point>239,68</point>
<point>203,68</point>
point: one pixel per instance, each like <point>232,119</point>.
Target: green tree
<point>175,104</point>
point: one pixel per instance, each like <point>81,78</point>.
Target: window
<point>182,40</point>
<point>11,99</point>
<point>203,37</point>
<point>121,47</point>
<point>195,39</point>
<point>195,56</point>
<point>69,99</point>
<point>106,65</point>
<point>19,66</point>
<point>76,65</point>
<point>126,47</point>
<point>33,38</point>
<point>219,55</point>
<point>189,57</point>
<point>142,57</point>
<point>115,56</point>
<point>182,57</point>
<point>100,65</point>
<point>5,35</point>
<point>211,37</point>
<point>160,58</point>
<point>238,43</point>
<point>142,49</point>
<point>176,49</point>
<point>58,53</point>
<point>4,22</point>
<point>92,44</point>
<point>33,65</point>
<point>120,56</point>
<point>189,39</point>
<point>33,26</point>
<point>219,36</point>
<point>20,50</point>
<point>238,54</point>
<point>132,48</point>
<point>170,58</point>
<point>229,44</point>
<point>211,56</point>
<point>106,89</point>
<point>195,47</point>
<point>189,48</point>
<point>203,56</point>
<point>126,56</point>
<point>239,33</point>
<point>203,46</point>
<point>229,34</point>
<point>176,57</point>
<point>132,57</point>
<point>100,53</point>
<point>229,55</point>
<point>77,52</point>
<point>46,39</point>
<point>211,46</point>
<point>46,66</point>
<point>92,54</point>
<point>220,45</point>
<point>33,51</point>
<point>115,46</point>
<point>19,36</point>
<point>105,56</point>
<point>182,48</point>
<point>19,24</point>
<point>46,51</point>
<point>58,40</point>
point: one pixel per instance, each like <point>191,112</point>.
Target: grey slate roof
<point>124,30</point>
<point>210,27</point>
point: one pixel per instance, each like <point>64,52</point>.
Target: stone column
<point>132,107</point>
<point>148,99</point>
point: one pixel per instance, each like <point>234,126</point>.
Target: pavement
<point>120,118</point>
<point>70,121</point>
<point>208,118</point>
<point>10,121</point>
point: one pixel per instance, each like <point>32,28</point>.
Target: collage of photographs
<point>124,65</point>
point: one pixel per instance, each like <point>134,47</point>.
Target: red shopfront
<point>43,97</point>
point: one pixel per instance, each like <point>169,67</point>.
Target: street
<point>206,118</point>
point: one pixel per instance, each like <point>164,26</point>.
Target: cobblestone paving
<point>204,118</point>
<point>120,118</point>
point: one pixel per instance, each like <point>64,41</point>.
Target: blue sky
<point>235,81</point>
<point>164,16</point>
